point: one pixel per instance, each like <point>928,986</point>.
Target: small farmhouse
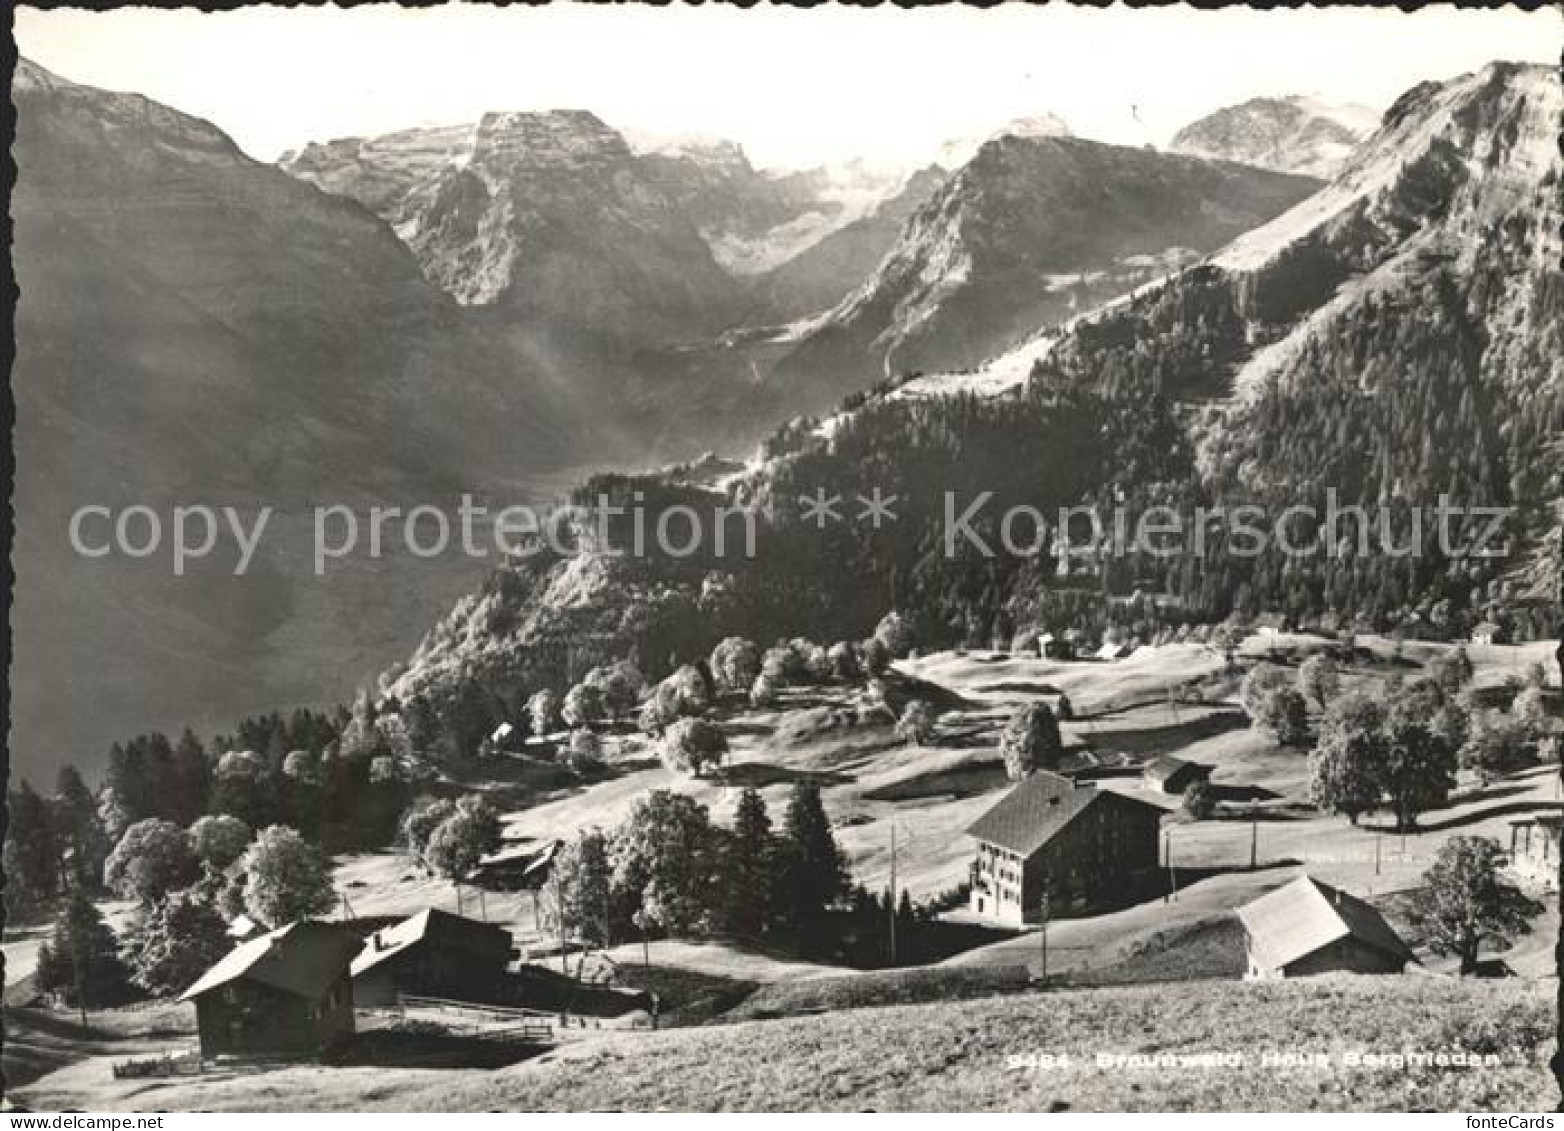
<point>1534,851</point>
<point>1308,927</point>
<point>1488,633</point>
<point>1081,845</point>
<point>1168,774</point>
<point>434,954</point>
<point>516,868</point>
<point>286,993</point>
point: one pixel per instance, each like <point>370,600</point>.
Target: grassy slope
<point>959,1056</point>
<point>931,794</point>
<point>870,782</point>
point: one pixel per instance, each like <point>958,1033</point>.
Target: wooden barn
<point>432,954</point>
<point>286,993</point>
<point>1086,847</point>
<point>1167,774</point>
<point>1308,927</point>
<point>516,868</point>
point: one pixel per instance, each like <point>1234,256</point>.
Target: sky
<point>795,87</point>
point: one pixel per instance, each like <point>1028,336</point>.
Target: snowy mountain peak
<point>1295,134</point>
<point>958,151</point>
<point>1475,147</point>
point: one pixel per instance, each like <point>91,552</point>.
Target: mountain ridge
<point>1136,405</point>
<point>1031,230</point>
<point>1292,134</point>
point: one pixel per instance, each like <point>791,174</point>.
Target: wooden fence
<point>524,1024</point>
<point>169,1064</point>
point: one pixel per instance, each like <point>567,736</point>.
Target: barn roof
<point>1306,915</point>
<point>529,861</point>
<point>302,959</point>
<point>439,928</point>
<point>1166,767</point>
<point>1034,812</point>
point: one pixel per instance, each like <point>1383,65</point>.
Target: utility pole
<point>1172,868</point>
<point>1379,839</point>
<point>1167,859</point>
<point>1043,932</point>
<point>1254,836</point>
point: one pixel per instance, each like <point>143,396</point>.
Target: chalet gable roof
<point>302,959</point>
<point>1165,766</point>
<point>441,928</point>
<point>1307,915</point>
<point>1038,809</point>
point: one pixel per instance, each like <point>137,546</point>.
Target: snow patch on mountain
<point>1295,134</point>
<point>958,151</point>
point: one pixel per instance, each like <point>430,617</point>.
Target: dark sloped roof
<point>302,959</point>
<point>483,941</point>
<point>1302,917</point>
<point>1034,812</point>
<point>531,862</point>
<point>1164,767</point>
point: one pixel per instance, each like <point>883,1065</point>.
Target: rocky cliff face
<point>1394,337</point>
<point>958,151</point>
<point>549,218</point>
<point>1031,231</point>
<point>196,327</point>
<point>654,241</point>
<point>381,173</point>
<point>749,217</point>
<point>552,217</point>
<point>821,275</point>
<point>1292,135</point>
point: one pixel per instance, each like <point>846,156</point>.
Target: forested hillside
<point>1389,341</point>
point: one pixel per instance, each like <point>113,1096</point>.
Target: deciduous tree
<point>1464,901</point>
<point>894,634</point>
<point>579,892</point>
<point>1319,680</point>
<point>735,664</point>
<point>1345,766</point>
<point>285,878</point>
<point>1030,741</point>
<point>1419,767</point>
<point>463,838</point>
<point>152,859</point>
<point>220,840</point>
<point>691,746</point>
<point>583,706</point>
<point>916,727</point>
<point>663,854</point>
<point>174,943</point>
